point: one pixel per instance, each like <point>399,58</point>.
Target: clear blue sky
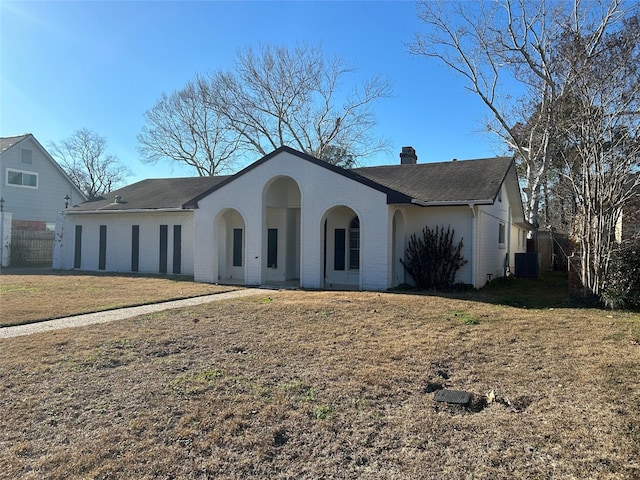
<point>101,65</point>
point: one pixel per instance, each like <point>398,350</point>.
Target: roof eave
<point>126,210</point>
<point>450,203</point>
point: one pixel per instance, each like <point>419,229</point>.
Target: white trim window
<point>354,244</point>
<point>502,235</point>
<point>22,178</point>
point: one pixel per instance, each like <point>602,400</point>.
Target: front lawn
<point>327,385</point>
<point>29,295</point>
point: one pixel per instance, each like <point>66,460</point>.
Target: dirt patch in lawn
<point>327,385</point>
<point>33,295</point>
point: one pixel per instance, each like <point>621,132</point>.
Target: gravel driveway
<point>122,313</point>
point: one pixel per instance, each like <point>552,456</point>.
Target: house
<point>291,219</point>
<point>33,191</point>
<point>34,186</point>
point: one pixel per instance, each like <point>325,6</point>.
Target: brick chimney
<point>408,156</point>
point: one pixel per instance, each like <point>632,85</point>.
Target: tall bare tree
<point>561,82</point>
<point>84,158</point>
<point>506,51</point>
<point>183,127</point>
<point>291,96</point>
<point>274,96</point>
<point>601,135</point>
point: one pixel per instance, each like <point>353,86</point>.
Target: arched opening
<point>231,233</point>
<point>398,249</point>
<point>281,244</point>
<point>341,248</point>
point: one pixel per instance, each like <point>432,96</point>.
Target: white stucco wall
<point>320,191</point>
<point>119,241</point>
<point>459,218</point>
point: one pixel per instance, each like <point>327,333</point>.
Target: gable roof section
<point>151,194</point>
<point>9,142</point>
<point>445,183</point>
<point>393,196</point>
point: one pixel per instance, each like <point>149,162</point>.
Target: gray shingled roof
<point>455,182</point>
<point>159,193</point>
<point>467,181</point>
<point>8,142</point>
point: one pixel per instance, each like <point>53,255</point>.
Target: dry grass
<point>29,295</point>
<point>327,385</point>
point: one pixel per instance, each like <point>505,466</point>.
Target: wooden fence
<point>31,247</point>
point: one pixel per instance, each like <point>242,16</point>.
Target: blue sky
<point>101,65</point>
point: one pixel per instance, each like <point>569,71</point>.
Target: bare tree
<point>280,96</point>
<point>183,127</point>
<point>273,97</point>
<point>575,70</point>
<point>506,49</point>
<point>84,159</point>
<point>601,134</point>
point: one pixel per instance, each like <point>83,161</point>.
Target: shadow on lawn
<point>550,291</point>
<point>46,270</point>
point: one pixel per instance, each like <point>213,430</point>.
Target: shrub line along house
<point>292,219</point>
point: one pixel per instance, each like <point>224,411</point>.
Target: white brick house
<point>292,219</point>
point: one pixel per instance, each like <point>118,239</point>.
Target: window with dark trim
<point>501,233</point>
<point>237,247</point>
<point>102,250</point>
<point>272,248</point>
<point>340,249</point>
<point>177,249</point>
<point>77,248</point>
<point>135,248</point>
<point>164,245</point>
<point>354,244</point>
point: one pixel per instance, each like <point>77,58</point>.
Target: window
<point>339,252</point>
<point>354,244</point>
<point>135,248</point>
<point>272,248</point>
<point>501,234</point>
<point>237,247</point>
<point>26,156</point>
<point>102,249</point>
<point>164,245</point>
<point>177,249</point>
<point>77,248</point>
<point>22,179</point>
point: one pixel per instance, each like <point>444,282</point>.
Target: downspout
<point>474,236</point>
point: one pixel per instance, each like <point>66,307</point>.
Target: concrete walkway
<point>122,313</point>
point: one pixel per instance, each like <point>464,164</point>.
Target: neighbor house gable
<point>8,143</point>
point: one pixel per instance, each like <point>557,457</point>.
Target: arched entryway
<point>341,246</point>
<point>231,233</point>
<point>398,249</point>
<point>281,232</point>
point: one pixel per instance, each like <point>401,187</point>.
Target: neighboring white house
<point>291,219</point>
<point>33,186</point>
